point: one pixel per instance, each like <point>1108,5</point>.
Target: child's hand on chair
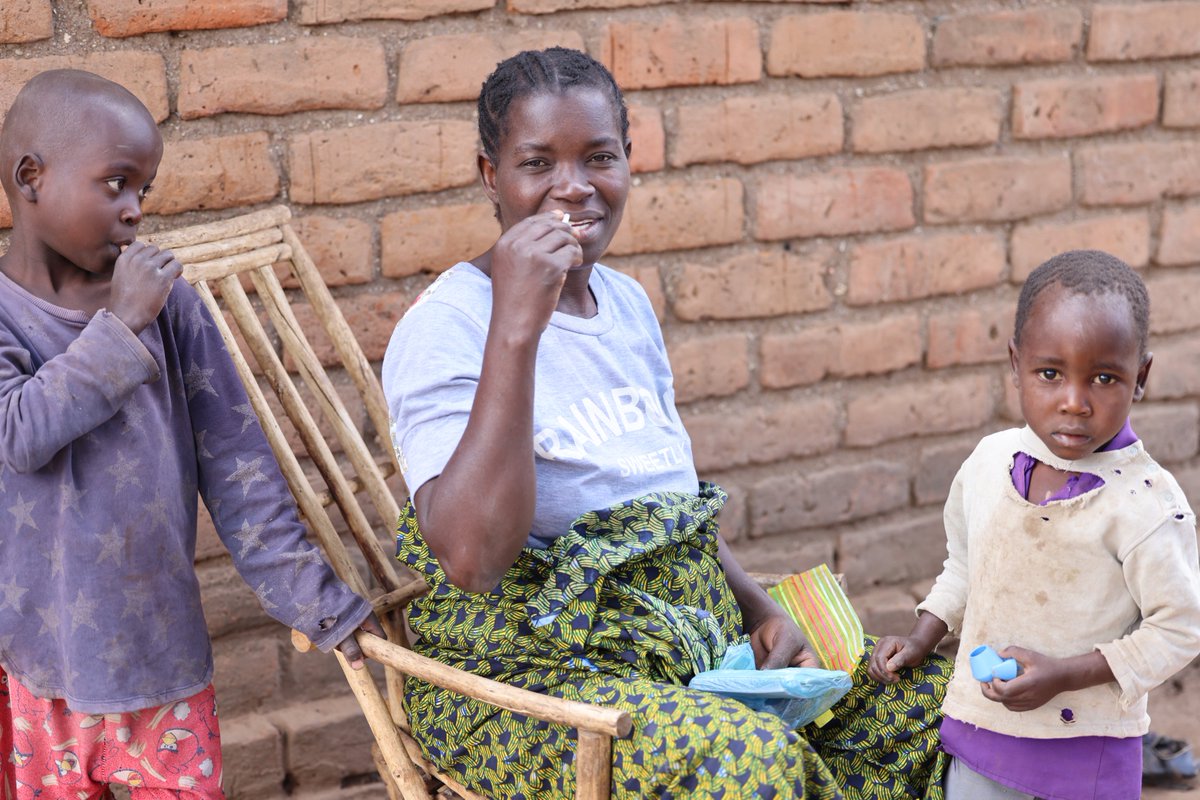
<point>349,646</point>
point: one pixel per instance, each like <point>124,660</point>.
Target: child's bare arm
<point>1043,677</point>
<point>893,653</point>
<point>476,515</point>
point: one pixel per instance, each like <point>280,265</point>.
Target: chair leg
<point>400,766</point>
<point>389,783</point>
<point>593,766</point>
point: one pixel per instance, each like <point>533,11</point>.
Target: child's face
<point>89,193</point>
<point>562,151</point>
<point>1078,370</point>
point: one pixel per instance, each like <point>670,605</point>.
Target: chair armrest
<point>573,714</point>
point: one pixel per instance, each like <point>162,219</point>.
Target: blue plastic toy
<point>986,665</point>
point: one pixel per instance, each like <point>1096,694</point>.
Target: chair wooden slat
<point>223,248</point>
<point>296,344</point>
<point>288,463</point>
<point>221,229</point>
<point>340,334</point>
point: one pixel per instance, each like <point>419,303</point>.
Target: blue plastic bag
<point>796,694</point>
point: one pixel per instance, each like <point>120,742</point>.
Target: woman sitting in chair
<point>557,514</point>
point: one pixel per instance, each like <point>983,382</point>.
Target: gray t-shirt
<point>604,419</point>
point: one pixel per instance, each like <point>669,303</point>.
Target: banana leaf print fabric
<point>622,611</point>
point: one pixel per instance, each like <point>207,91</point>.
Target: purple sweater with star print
<point>105,439</point>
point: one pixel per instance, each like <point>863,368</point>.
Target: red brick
<point>921,409</point>
<point>923,119</point>
<point>247,673</point>
<point>1025,36</point>
<point>1170,431</point>
<point>324,741</point>
<point>878,346</point>
<point>1176,370</point>
<point>1144,31</point>
<point>912,267</point>
<point>709,366</point>
<point>1189,481</point>
<point>550,6</point>
<point>842,350</point>
<point>682,51</point>
<point>439,69</point>
<point>1174,298</point>
<point>648,139</point>
<point>892,553</point>
<point>1181,99</point>
<point>373,315</point>
<point>229,604</point>
<point>26,21</point>
<point>796,358</point>
<point>757,128</point>
<point>142,73</point>
<point>937,464</point>
<point>1126,236</point>
<point>680,215</point>
<point>313,674</point>
<point>996,189</point>
<point>406,158</point>
<point>851,43</point>
<point>648,276</point>
<point>732,516</point>
<point>340,247</point>
<point>305,74</point>
<point>252,757</point>
<point>976,334</point>
<point>888,610</point>
<point>818,499</point>
<point>1056,108</point>
<point>1137,172</point>
<point>785,554</point>
<point>856,200</point>
<point>435,238</point>
<point>761,283</point>
<point>118,18</point>
<point>327,12</point>
<point>220,172</point>
<point>762,434</point>
<point>1179,236</point>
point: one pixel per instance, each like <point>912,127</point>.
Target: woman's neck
<point>576,299</point>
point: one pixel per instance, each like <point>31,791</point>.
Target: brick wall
<point>834,205</point>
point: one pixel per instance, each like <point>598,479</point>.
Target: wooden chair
<point>218,258</point>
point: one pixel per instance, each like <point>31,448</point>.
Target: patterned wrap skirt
<point>621,611</point>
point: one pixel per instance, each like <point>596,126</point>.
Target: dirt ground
<point>1175,712</point>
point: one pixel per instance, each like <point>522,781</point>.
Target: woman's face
<point>562,151</point>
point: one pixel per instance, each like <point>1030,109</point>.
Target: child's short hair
<point>553,69</point>
<point>50,115</point>
<point>1088,272</point>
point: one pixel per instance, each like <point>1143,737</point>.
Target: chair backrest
<point>217,258</point>
<point>221,259</point>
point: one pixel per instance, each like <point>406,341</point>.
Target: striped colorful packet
<point>819,606</point>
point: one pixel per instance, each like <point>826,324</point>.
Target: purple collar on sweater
<point>1078,484</point>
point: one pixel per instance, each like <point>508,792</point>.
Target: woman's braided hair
<point>552,70</point>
